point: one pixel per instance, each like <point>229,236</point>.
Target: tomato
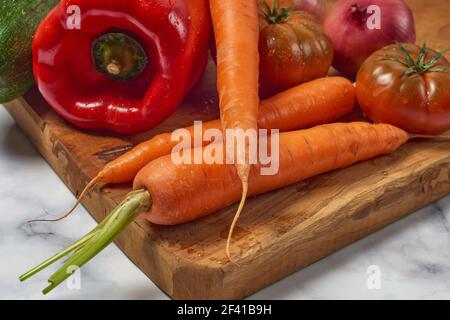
<point>293,49</point>
<point>406,86</point>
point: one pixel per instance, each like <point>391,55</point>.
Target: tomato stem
<point>276,14</point>
<point>420,66</point>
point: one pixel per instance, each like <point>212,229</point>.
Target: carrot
<point>303,154</point>
<point>236,31</point>
<point>313,103</point>
<point>168,193</point>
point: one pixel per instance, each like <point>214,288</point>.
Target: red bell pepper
<point>126,66</point>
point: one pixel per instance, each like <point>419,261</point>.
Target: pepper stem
<point>114,68</point>
<point>118,56</point>
<point>95,241</point>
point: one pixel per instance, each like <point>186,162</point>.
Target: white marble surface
<point>412,255</point>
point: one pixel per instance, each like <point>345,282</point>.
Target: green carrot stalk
<point>96,240</point>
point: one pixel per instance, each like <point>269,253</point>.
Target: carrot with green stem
<point>313,103</point>
<point>168,193</point>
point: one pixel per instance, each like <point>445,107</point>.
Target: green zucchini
<point>19,20</point>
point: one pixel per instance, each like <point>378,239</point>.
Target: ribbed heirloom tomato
<point>406,86</point>
<point>293,47</point>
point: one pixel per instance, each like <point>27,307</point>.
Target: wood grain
<point>280,232</point>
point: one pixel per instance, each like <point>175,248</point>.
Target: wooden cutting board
<point>280,232</point>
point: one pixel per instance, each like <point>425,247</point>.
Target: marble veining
<point>411,257</point>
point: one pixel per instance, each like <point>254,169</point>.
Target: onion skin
<point>353,41</point>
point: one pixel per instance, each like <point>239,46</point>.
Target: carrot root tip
<point>89,187</point>
<point>235,220</point>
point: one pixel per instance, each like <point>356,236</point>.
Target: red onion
<point>314,7</point>
<point>353,29</point>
